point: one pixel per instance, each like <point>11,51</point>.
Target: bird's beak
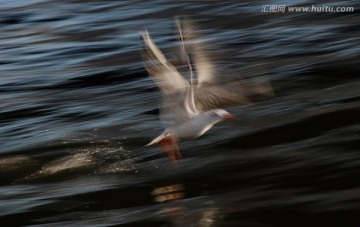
<point>229,117</point>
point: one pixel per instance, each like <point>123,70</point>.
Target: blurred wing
<point>210,93</point>
<point>233,93</point>
<point>175,88</point>
<point>160,70</point>
<point>194,46</point>
<point>185,55</point>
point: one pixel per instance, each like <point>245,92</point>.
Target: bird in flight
<point>192,99</point>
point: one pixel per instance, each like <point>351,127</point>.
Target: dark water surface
<point>77,108</point>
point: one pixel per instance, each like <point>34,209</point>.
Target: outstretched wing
<point>210,91</point>
<point>237,92</point>
<point>160,70</point>
<point>175,88</point>
<point>195,48</point>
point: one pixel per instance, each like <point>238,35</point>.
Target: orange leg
<point>176,149</point>
<point>169,144</point>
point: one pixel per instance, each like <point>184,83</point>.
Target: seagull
<point>191,106</point>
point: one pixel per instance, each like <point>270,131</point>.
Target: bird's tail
<point>156,140</point>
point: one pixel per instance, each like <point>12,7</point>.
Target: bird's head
<point>223,114</point>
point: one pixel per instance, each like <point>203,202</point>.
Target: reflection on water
<point>168,193</point>
<point>78,107</point>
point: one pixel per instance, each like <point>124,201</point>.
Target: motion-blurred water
<point>77,108</point>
